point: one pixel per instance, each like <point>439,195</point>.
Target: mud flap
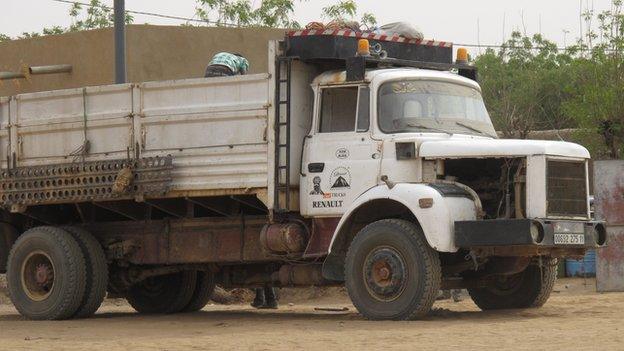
<point>8,235</point>
<point>333,268</point>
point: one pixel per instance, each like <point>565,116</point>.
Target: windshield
<point>426,106</point>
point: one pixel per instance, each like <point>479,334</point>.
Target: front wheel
<point>391,271</point>
<point>530,288</point>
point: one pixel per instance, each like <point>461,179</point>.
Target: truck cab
<point>412,149</point>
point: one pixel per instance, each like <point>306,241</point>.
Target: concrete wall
<point>153,53</point>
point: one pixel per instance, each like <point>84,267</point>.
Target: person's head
<point>317,183</point>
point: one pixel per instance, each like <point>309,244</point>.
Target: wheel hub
<point>385,273</point>
<point>44,275</point>
<point>37,276</point>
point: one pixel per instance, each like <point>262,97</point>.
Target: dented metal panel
<point>609,206</point>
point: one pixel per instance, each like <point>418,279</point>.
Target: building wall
<point>153,53</point>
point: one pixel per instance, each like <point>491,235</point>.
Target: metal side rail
<point>85,181</point>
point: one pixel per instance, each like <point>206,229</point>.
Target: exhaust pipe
<point>36,70</point>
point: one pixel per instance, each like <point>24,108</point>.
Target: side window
<point>338,109</point>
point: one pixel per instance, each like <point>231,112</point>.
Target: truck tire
<point>46,274</point>
<point>391,271</point>
<point>163,294</point>
<point>203,292</point>
<point>97,271</point>
<point>530,288</point>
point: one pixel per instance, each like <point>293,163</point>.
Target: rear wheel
<point>203,291</point>
<point>97,271</point>
<point>530,288</point>
<point>46,274</point>
<point>391,271</point>
<point>163,294</point>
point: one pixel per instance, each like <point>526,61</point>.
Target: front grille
<point>566,186</point>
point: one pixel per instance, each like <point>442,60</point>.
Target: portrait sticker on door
<point>316,188</point>
<point>338,182</point>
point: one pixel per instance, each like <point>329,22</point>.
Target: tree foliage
<point>94,16</point>
<point>242,13</point>
<point>597,83</point>
<point>271,13</point>
<point>530,84</point>
<point>347,10</point>
<point>522,83</point>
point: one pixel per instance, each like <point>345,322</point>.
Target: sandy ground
<point>575,318</point>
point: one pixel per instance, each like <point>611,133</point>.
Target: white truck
<point>384,174</point>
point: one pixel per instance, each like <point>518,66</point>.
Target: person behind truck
<point>265,298</point>
<point>226,64</point>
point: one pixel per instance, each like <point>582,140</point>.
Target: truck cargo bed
<point>215,130</point>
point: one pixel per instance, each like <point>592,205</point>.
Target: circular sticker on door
<point>342,153</point>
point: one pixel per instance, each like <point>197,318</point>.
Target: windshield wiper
<point>414,125</point>
<point>474,129</point>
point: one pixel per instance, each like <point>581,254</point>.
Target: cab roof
<point>384,74</point>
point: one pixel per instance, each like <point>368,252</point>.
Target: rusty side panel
<point>609,191</point>
<point>609,206</point>
<point>214,240</point>
<point>322,232</point>
<point>85,181</point>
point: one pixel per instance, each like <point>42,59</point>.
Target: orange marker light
<point>363,47</point>
<point>462,56</point>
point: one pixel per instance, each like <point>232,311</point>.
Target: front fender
<point>437,221</point>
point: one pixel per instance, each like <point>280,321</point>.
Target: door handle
<point>316,167</point>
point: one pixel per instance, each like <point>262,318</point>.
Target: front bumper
<point>537,233</point>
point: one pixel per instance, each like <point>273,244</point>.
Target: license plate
<point>569,239</point>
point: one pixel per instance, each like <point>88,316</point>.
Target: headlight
<point>601,234</point>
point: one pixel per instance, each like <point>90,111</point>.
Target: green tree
<point>523,85</point>
<point>241,13</point>
<point>597,88</point>
<point>271,13</point>
<point>95,15</point>
<point>347,10</point>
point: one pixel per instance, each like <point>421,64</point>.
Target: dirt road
<point>575,318</point>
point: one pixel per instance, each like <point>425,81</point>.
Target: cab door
<point>341,160</point>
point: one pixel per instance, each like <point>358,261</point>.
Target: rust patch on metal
<point>85,181</point>
<point>205,240</point>
<point>609,191</point>
<point>284,238</point>
<point>609,206</point>
<point>322,232</point>
<point>300,275</point>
